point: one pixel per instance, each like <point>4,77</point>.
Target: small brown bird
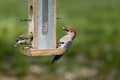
<point>25,41</point>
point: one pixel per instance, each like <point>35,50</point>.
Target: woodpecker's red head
<point>70,31</point>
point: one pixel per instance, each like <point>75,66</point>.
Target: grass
<point>95,49</point>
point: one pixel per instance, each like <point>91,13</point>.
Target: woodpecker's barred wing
<point>67,46</point>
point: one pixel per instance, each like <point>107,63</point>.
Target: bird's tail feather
<point>56,58</point>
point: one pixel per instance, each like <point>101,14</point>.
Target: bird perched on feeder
<point>65,42</point>
<point>25,41</point>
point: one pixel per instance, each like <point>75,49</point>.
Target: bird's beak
<point>65,29</point>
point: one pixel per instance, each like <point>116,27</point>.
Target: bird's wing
<point>67,46</point>
<point>22,37</point>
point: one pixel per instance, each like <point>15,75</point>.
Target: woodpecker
<point>24,41</point>
<point>65,42</point>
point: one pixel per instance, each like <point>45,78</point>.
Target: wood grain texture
<point>35,24</point>
<point>47,52</point>
<point>32,25</point>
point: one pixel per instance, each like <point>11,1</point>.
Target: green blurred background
<point>94,55</point>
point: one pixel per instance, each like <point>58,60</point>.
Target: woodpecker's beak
<point>65,29</point>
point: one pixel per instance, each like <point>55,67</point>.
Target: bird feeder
<point>42,23</point>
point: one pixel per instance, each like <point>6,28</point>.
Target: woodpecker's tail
<point>56,58</point>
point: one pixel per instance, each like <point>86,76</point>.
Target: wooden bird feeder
<point>42,15</point>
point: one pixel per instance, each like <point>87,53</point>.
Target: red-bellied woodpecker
<point>65,42</point>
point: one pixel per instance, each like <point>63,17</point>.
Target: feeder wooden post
<point>32,25</point>
<point>43,26</point>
